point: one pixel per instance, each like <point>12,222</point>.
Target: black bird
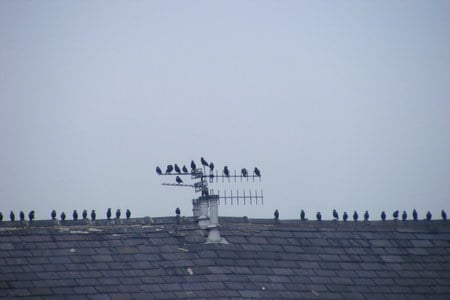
<point>93,215</point>
<point>177,211</point>
<point>158,170</point>
<point>177,169</point>
<point>444,215</point>
<point>84,214</point>
<point>22,216</point>
<point>185,170</point>
<point>345,216</point>
<point>404,216</point>
<point>226,172</point>
<point>53,214</point>
<point>178,179</point>
<point>428,216</point>
<point>31,215</point>
<point>12,216</point>
<point>128,214</point>
<point>1,217</point>
<point>193,166</point>
<point>395,215</point>
<point>211,166</point>
<point>244,172</point>
<point>63,216</point>
<point>75,215</point>
<point>383,216</point>
<point>302,215</point>
<point>204,162</point>
<point>276,214</point>
<point>118,214</point>
<point>415,214</point>
<point>335,215</point>
<point>257,172</point>
<point>169,168</point>
<point>108,214</point>
<point>318,216</point>
<point>355,216</point>
<point>366,216</point>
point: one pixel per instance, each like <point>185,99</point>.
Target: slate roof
<point>159,259</point>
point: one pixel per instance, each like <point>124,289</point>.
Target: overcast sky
<point>341,104</point>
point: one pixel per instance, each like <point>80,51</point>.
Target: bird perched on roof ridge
<point>21,216</point>
<point>257,172</point>
<point>118,213</point>
<point>184,169</point>
<point>128,214</point>
<point>169,169</point>
<point>31,215</point>
<point>318,216</point>
<point>108,214</point>
<point>178,180</point>
<point>276,214</point>
<point>302,215</point>
<point>444,215</point>
<point>395,215</point>
<point>12,216</point>
<point>404,216</point>
<point>1,216</point>
<point>158,170</point>
<point>355,216</point>
<point>93,215</point>
<point>75,215</point>
<point>414,214</point>
<point>177,211</point>
<point>366,216</point>
<point>63,216</point>
<point>428,216</point>
<point>383,216</point>
<point>177,169</point>
<point>53,214</point>
<point>193,166</point>
<point>345,216</point>
<point>204,162</point>
<point>84,214</point>
<point>335,215</point>
<point>226,172</point>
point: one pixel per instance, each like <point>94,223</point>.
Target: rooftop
<point>157,258</point>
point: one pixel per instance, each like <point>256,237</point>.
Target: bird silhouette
<point>211,166</point>
<point>22,216</point>
<point>226,172</point>
<point>355,216</point>
<point>302,215</point>
<point>177,211</point>
<point>31,215</point>
<point>204,162</point>
<point>414,214</point>
<point>63,216</point>
<point>444,215</point>
<point>366,216</point>
<point>158,170</point>
<point>383,216</point>
<point>12,216</point>
<point>276,214</point>
<point>179,180</point>
<point>404,216</point>
<point>75,215</point>
<point>128,214</point>
<point>318,216</point>
<point>53,214</point>
<point>93,215</point>
<point>108,214</point>
<point>1,217</point>
<point>345,216</point>
<point>257,172</point>
<point>185,170</point>
<point>118,214</point>
<point>395,215</point>
<point>193,166</point>
<point>84,214</point>
<point>335,215</point>
<point>428,216</point>
<point>169,168</point>
<point>244,172</point>
<point>177,169</point>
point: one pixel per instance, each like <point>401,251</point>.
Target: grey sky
<point>341,104</point>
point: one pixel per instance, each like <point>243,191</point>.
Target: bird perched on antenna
<point>177,169</point>
<point>63,216</point>
<point>204,162</point>
<point>257,172</point>
<point>366,216</point>
<point>404,216</point>
<point>12,216</point>
<point>169,169</point>
<point>31,215</point>
<point>345,216</point>
<point>179,180</point>
<point>93,215</point>
<point>276,214</point>
<point>22,216</point>
<point>395,215</point>
<point>185,170</point>
<point>211,166</point>
<point>75,215</point>
<point>177,211</point>
<point>158,170</point>
<point>108,214</point>
<point>53,215</point>
<point>383,216</point>
<point>193,166</point>
<point>244,172</point>
<point>128,214</point>
<point>414,214</point>
<point>226,172</point>
<point>335,215</point>
<point>318,216</point>
<point>302,215</point>
<point>444,215</point>
<point>355,216</point>
<point>428,216</point>
<point>84,215</point>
